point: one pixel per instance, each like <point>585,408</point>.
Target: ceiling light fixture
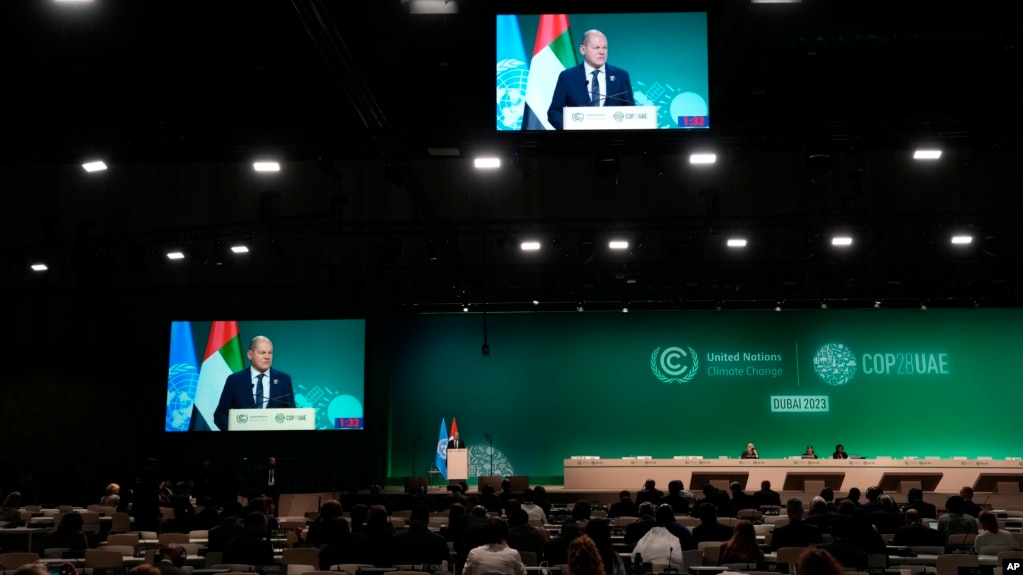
<point>94,166</point>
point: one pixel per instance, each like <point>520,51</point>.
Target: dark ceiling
<point>180,96</point>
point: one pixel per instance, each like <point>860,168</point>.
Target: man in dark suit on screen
<point>258,387</point>
<point>592,83</point>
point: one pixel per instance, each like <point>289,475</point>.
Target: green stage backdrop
<point>881,382</point>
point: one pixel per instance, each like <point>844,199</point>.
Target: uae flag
<point>222,358</point>
<point>553,52</point>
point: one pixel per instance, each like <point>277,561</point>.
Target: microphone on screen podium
<point>619,97</point>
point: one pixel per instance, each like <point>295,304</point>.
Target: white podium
<point>272,419</point>
<point>458,464</point>
<point>610,118</point>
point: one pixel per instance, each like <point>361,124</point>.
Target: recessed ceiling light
<point>94,166</point>
<point>39,267</point>
<point>703,158</point>
<point>962,239</point>
<point>618,244</point>
<point>175,255</point>
<point>488,163</point>
<point>530,246</point>
<point>266,166</point>
<point>240,249</point>
<point>928,154</point>
<point>841,241</point>
<point>736,242</point>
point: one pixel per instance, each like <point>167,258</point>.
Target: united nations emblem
<point>674,364</point>
<point>834,363</point>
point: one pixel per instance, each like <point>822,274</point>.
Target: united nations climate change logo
<point>674,364</point>
<point>241,418</point>
<point>834,363</point>
<point>577,116</point>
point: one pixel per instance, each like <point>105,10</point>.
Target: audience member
<point>170,559</point>
<point>741,499</point>
<point>378,528</point>
<point>809,453</point>
<point>709,529</point>
<point>349,547</point>
<point>677,497</point>
<point>450,531</point>
<point>113,495</point>
<point>68,533</point>
<point>766,496</point>
<point>650,493</point>
<point>863,534</point>
<point>888,518</point>
<point>494,556</point>
<point>540,498</point>
<point>327,525</point>
<point>472,532</point>
<point>854,496</point>
<point>665,517</point>
<point>955,522</point>
<point>724,504</point>
<point>969,507</point>
<point>992,540</point>
<point>828,494</point>
<point>9,510</point>
<point>916,534</point>
<point>584,557</point>
<point>581,513</point>
<point>454,496</point>
<point>599,531</point>
<point>742,547</point>
<point>637,529</point>
<point>841,547</point>
<point>916,501</point>
<point>530,506</point>
<point>624,507</point>
<point>507,494</point>
<point>417,545</point>
<point>819,515</point>
<point>523,536</point>
<point>229,528</point>
<point>709,493</point>
<point>556,551</point>
<point>251,547</point>
<point>490,499</point>
<point>873,494</point>
<point>796,533</point>
<point>817,562</point>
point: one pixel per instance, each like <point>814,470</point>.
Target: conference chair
<point>752,515</point>
<point>688,521</point>
<point>950,563</point>
<point>301,556</point>
<point>65,508</point>
<point>166,538</point>
<point>13,560</point>
<point>213,558</point>
<point>131,539</point>
<point>124,550</point>
<point>927,549</point>
<point>120,523</point>
<point>351,568</point>
<point>780,522</point>
<point>233,567</point>
<point>790,555</point>
<point>691,558</point>
<point>54,552</point>
<point>529,558</point>
<point>711,551</point>
<point>625,520</point>
<point>101,558</point>
<point>198,534</point>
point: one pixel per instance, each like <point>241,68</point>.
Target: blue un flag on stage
<point>512,73</point>
<point>182,377</point>
<point>441,461</point>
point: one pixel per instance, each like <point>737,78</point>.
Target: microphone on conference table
<point>669,570</point>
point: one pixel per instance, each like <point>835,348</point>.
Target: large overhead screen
<point>654,65</point>
<point>882,382</point>
<point>315,380</point>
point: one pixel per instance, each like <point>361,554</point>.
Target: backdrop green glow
<point>892,382</point>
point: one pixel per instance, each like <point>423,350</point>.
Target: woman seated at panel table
<point>809,454</point>
<point>750,453</point>
<point>839,452</point>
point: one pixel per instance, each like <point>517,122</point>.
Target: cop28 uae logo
<point>834,363</point>
<point>674,364</point>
